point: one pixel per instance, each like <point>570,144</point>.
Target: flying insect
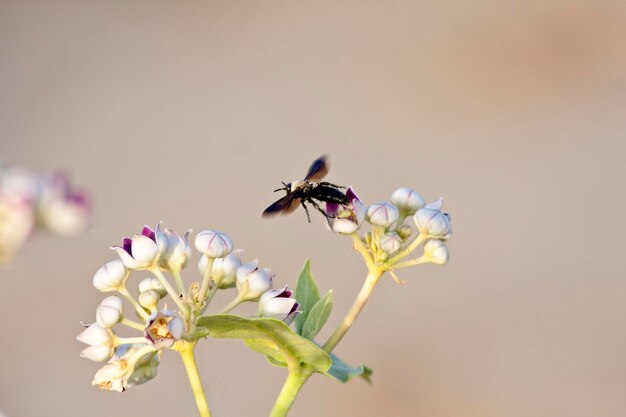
<point>309,190</point>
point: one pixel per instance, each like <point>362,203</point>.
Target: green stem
<point>170,290</point>
<point>179,281</point>
<point>186,353</point>
<point>404,252</point>
<point>297,377</point>
<point>139,309</point>
<point>236,301</point>
<point>366,290</point>
<point>206,280</point>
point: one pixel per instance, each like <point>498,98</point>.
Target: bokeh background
<point>193,112</point>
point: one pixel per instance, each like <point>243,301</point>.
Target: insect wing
<point>318,169</point>
<point>287,204</point>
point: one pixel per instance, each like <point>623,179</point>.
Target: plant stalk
<point>187,354</point>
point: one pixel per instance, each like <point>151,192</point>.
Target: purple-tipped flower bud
<point>390,243</point>
<point>100,341</point>
<point>436,251</point>
<point>407,200</point>
<point>110,312</point>
<point>253,281</point>
<point>152,283</point>
<point>278,304</point>
<point>431,222</point>
<point>213,244</point>
<point>382,214</point>
<point>164,328</point>
<point>111,276</point>
<point>178,250</point>
<point>143,251</point>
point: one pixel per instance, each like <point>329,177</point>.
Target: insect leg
<point>308,216</point>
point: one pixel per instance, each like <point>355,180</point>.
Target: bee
<point>309,190</point>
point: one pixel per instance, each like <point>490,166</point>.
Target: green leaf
<point>307,294</point>
<point>343,372</point>
<point>317,316</point>
<point>271,337</point>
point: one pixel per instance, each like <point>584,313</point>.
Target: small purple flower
<point>62,209</point>
<point>346,219</point>
<point>278,304</point>
<point>142,251</point>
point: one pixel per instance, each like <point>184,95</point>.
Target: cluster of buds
<point>29,201</point>
<point>391,239</point>
<point>134,360</point>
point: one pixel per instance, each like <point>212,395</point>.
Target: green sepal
<point>307,294</point>
<point>342,372</point>
<point>271,337</point>
<point>317,316</point>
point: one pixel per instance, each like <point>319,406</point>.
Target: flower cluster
<point>389,241</point>
<point>134,360</point>
<point>28,201</point>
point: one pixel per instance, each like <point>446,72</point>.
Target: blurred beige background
<point>193,112</point>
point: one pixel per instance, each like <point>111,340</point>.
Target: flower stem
<point>297,377</point>
<point>139,309</point>
<point>132,324</point>
<point>206,280</point>
<point>236,301</point>
<point>170,290</point>
<point>366,290</point>
<point>186,353</point>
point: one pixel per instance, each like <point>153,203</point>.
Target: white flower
<point>252,282</point>
<point>126,369</point>
<point>152,283</point>
<point>144,250</point>
<point>390,243</point>
<point>164,328</point>
<point>224,270</point>
<point>346,219</point>
<point>16,225</point>
<point>278,304</point>
<point>177,252</point>
<point>436,252</point>
<point>431,222</point>
<point>382,214</point>
<point>111,276</point>
<point>113,376</point>
<point>213,244</point>
<point>100,341</point>
<point>110,312</point>
<point>407,200</point>
<point>61,209</point>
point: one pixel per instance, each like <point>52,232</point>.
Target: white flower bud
<point>110,311</point>
<point>177,252</point>
<point>100,341</point>
<point>224,271</point>
<point>382,214</point>
<point>390,242</point>
<point>252,282</point>
<point>278,304</point>
<point>436,251</point>
<point>149,299</point>
<point>407,200</point>
<point>213,244</point>
<point>164,328</point>
<point>111,276</point>
<point>152,283</point>
<point>431,222</point>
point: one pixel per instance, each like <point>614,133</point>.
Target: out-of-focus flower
<point>253,281</point>
<point>224,270</point>
<point>346,219</point>
<point>177,252</point>
<point>16,225</point>
<point>100,341</point>
<point>111,276</point>
<point>390,243</point>
<point>164,328</point>
<point>213,244</point>
<point>382,214</point>
<point>61,209</point>
<point>407,200</point>
<point>278,304</point>
<point>436,252</point>
<point>432,222</point>
<point>142,251</point>
<point>109,312</point>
